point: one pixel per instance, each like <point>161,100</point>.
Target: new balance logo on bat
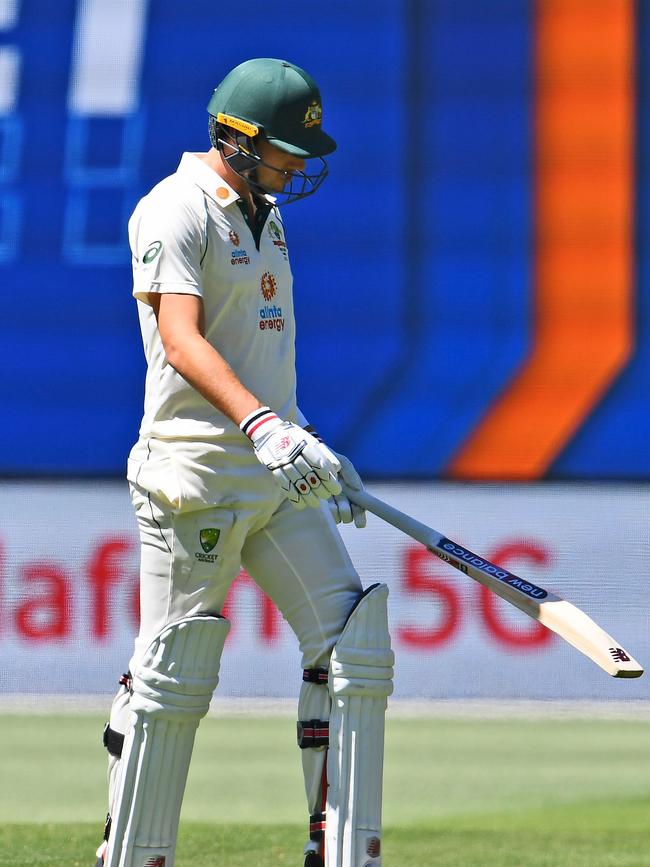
<point>618,654</point>
<point>473,559</point>
<point>467,557</point>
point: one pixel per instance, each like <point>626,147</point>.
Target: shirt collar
<point>210,182</point>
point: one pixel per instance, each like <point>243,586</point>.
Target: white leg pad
<point>172,688</point>
<point>360,681</point>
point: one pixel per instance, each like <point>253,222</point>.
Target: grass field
<point>458,793</point>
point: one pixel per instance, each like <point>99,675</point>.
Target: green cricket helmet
<point>280,102</point>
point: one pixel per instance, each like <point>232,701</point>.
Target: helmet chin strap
<point>243,158</point>
<point>244,161</point>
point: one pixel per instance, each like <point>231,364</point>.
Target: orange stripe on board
<point>583,235</point>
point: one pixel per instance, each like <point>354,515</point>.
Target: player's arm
<point>303,467</point>
<point>180,323</point>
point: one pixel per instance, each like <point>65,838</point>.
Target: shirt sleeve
<point>167,245</point>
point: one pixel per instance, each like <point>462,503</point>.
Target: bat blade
<point>563,618</point>
<point>576,627</point>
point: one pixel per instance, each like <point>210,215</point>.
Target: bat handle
<point>418,531</point>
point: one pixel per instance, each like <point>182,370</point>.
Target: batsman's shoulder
<point>173,207</point>
<point>173,198</point>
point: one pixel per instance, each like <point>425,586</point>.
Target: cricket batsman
<point>227,471</point>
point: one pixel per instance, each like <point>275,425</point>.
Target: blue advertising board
<point>412,264</point>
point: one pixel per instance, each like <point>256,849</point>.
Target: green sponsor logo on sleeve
<point>151,252</point>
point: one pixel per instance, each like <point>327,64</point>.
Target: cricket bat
<point>565,619</point>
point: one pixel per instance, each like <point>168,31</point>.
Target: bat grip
<point>415,529</point>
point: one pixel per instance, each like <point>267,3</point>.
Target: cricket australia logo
<point>277,239</point>
<point>208,538</point>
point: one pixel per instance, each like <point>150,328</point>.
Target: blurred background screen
<point>479,160</point>
<point>471,294</point>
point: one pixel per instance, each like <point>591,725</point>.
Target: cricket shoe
<point>312,856</point>
<point>101,854</point>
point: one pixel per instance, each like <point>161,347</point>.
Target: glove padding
<point>343,509</point>
<point>303,467</point>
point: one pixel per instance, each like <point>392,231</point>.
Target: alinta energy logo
<point>271,318</point>
<point>237,256</point>
<point>268,286</point>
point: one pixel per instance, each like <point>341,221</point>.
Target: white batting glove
<point>343,509</point>
<point>303,467</point>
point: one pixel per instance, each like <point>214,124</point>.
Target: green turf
<point>458,793</point>
<point>574,836</point>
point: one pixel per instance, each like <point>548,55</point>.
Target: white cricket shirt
<point>188,235</point>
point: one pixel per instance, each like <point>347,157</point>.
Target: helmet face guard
<point>277,102</point>
<point>239,152</point>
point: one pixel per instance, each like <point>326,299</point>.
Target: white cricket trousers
<point>191,553</point>
<point>296,557</point>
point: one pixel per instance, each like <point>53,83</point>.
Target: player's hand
<point>343,509</point>
<point>303,467</point>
